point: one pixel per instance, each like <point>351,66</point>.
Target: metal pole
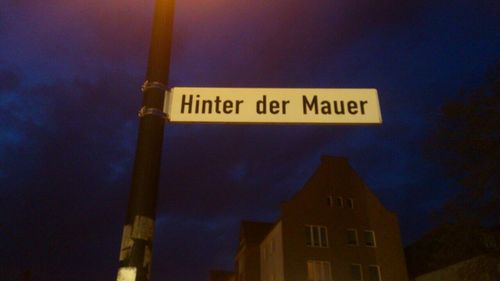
<point>137,240</point>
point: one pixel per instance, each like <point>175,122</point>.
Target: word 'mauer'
<point>338,107</point>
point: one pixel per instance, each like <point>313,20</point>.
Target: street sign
<point>273,106</point>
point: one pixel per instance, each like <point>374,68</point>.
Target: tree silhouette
<point>473,250</point>
<point>466,145</point>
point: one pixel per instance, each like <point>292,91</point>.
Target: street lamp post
<point>137,239</point>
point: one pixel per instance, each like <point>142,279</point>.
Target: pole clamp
<point>152,111</point>
<point>153,85</point>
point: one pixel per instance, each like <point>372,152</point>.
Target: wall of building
<point>218,275</point>
<point>390,253</point>
<point>248,263</point>
<point>281,253</point>
<point>334,178</point>
<point>271,255</point>
<point>308,207</point>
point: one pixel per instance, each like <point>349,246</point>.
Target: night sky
<point>70,77</point>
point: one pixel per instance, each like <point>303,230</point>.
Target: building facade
<point>334,229</point>
<point>247,261</point>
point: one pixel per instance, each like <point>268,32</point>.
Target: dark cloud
<point>259,41</point>
<point>200,239</point>
<point>65,178</point>
<point>9,80</point>
<point>67,40</point>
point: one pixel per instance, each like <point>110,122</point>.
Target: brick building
<point>334,229</point>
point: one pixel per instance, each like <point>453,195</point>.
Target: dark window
<point>350,203</point>
<point>316,236</point>
<point>308,236</point>
<point>318,271</point>
<point>330,201</point>
<point>373,273</point>
<point>323,239</point>
<point>352,237</point>
<point>356,274</point>
<point>340,202</point>
<point>369,238</point>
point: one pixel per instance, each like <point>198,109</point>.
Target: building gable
<point>332,226</point>
<point>333,184</point>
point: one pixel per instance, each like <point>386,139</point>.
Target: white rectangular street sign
<point>273,106</point>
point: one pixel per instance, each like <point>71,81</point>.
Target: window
<point>352,237</point>
<point>340,202</point>
<point>373,273</point>
<point>240,270</point>
<point>316,236</point>
<point>330,201</point>
<point>318,271</point>
<point>369,238</point>
<point>350,203</point>
<point>356,274</point>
